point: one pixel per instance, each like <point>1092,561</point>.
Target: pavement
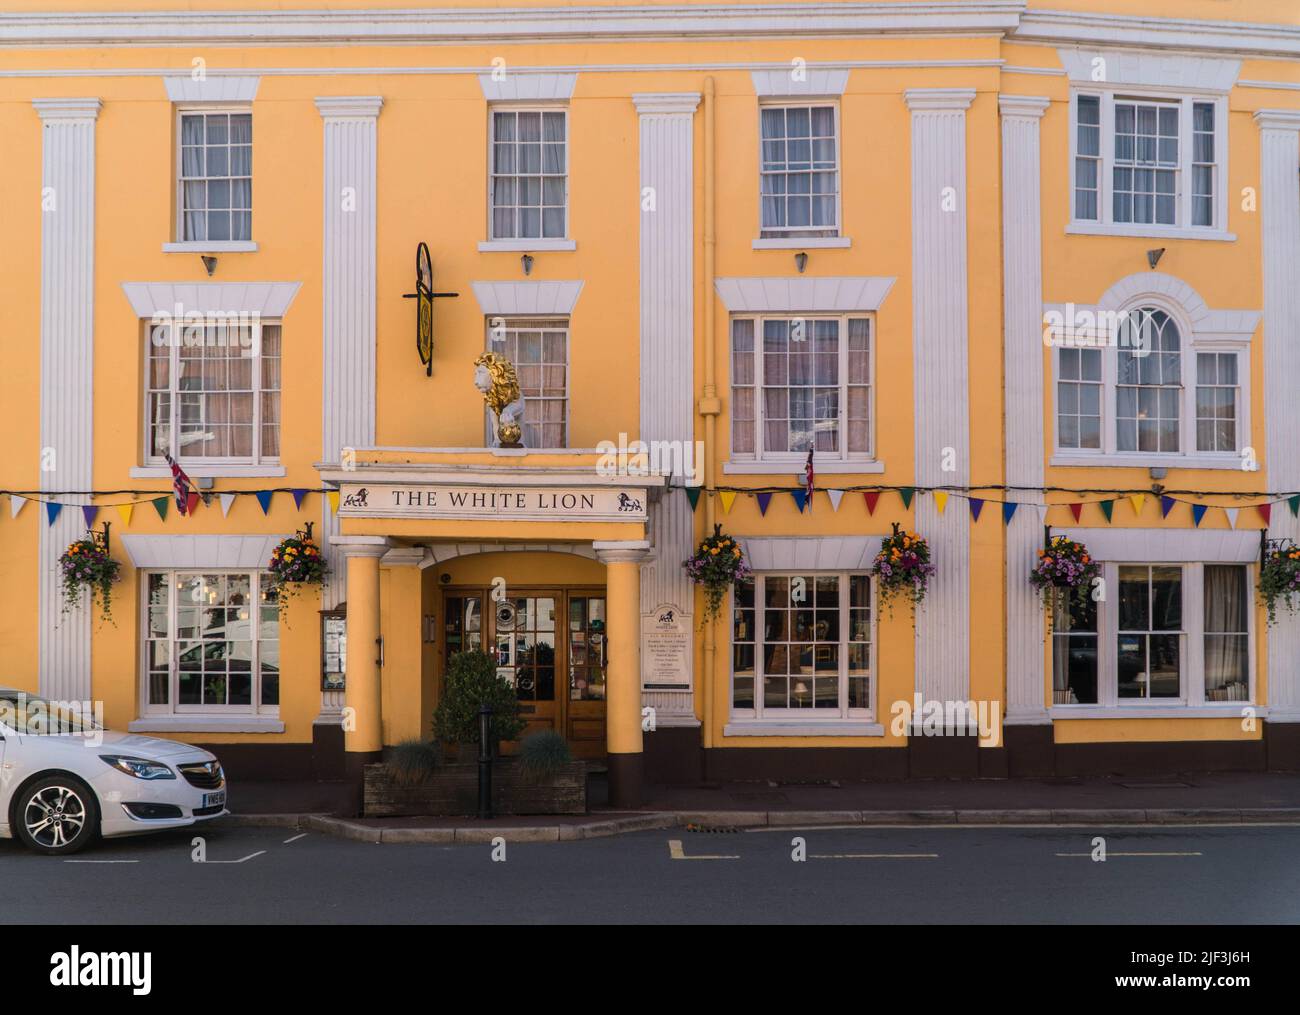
<point>957,874</point>
<point>1229,798</point>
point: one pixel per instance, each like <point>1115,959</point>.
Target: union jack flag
<point>180,486</point>
<point>808,478</point>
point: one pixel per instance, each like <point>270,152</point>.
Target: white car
<point>64,779</point>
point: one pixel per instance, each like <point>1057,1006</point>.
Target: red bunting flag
<point>1076,510</point>
<point>871,497</point>
<point>1265,512</point>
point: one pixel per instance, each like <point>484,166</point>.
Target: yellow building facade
<point>734,233</point>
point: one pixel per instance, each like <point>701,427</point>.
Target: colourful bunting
<point>1008,512</point>
<point>1137,500</point>
<point>160,505</point>
<point>300,494</point>
<point>1232,516</point>
<point>976,506</point>
<point>1108,508</point>
<point>1265,512</point>
<point>692,495</point>
<point>15,504</point>
<point>1294,504</point>
<point>191,502</point>
<point>228,501</point>
<point>835,497</point>
<point>332,496</point>
<point>1198,512</point>
<point>52,510</point>
<point>125,511</point>
<point>764,499</point>
<point>1166,505</point>
<point>907,493</point>
<point>88,512</point>
<point>1076,509</point>
<point>940,500</point>
<point>800,499</point>
<point>871,497</point>
<point>264,498</point>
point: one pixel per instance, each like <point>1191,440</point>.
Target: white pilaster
<point>1280,207</point>
<point>941,407</point>
<point>1022,287</point>
<point>667,243</point>
<point>67,374</point>
<point>348,311</point>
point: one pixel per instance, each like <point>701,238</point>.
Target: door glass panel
<point>525,646</point>
<point>586,648</point>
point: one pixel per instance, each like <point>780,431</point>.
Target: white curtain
<point>1226,639</point>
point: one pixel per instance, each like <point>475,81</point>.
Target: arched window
<point>1148,383</point>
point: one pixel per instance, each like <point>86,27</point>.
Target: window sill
<point>209,471</point>
<point>526,246</point>
<point>210,247</point>
<point>796,468</point>
<point>806,243</point>
<point>1230,710</point>
<point>1148,231</point>
<point>783,728</point>
<point>206,724</point>
<point>1070,460</point>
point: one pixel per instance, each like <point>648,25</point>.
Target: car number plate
<point>214,799</point>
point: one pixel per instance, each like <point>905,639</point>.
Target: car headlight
<point>140,768</point>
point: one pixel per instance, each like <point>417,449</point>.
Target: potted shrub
<point>412,762</point>
<point>472,681</point>
<point>86,569</point>
<point>717,564</point>
<point>902,569</point>
<point>295,561</point>
<point>1279,577</point>
<point>542,756</point>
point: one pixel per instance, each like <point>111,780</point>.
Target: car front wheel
<point>56,815</point>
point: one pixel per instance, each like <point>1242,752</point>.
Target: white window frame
<point>810,717</point>
<point>495,242</point>
<point>200,462</point>
<point>180,242</point>
<point>760,453</point>
<point>1187,456</point>
<point>1104,224</point>
<point>173,709</point>
<point>778,236</point>
<point>489,419</point>
<point>1192,678</point>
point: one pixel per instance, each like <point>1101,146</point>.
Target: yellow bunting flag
<point>1137,500</point>
<point>125,511</point>
<point>728,497</point>
<point>333,497</point>
<point>940,500</point>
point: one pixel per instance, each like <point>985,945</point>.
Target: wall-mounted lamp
<point>527,262</point>
<point>801,261</point>
<point>1153,257</point>
<point>209,262</point>
<point>1158,472</point>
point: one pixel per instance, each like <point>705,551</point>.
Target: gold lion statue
<point>495,376</point>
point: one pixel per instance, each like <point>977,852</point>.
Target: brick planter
<point>453,791</point>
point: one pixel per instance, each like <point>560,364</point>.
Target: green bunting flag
<point>692,495</point>
<point>907,493</point>
<point>1294,504</point>
<point>1108,508</point>
<point>160,505</point>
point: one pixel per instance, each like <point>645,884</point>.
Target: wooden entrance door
<point>551,644</point>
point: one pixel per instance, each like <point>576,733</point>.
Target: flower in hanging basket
<point>1065,569</point>
<point>295,561</point>
<point>87,570</point>
<point>902,568</point>
<point>718,562</point>
<point>1279,577</point>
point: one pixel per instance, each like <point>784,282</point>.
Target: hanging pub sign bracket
<point>424,295</point>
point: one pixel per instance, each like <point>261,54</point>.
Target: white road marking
<point>875,856</point>
<point>677,853</point>
<point>241,860</point>
<point>1110,853</point>
<point>295,838</point>
<point>101,861</point>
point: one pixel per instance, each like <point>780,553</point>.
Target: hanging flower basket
<point>1279,577</point>
<point>903,569</point>
<point>717,564</point>
<point>296,561</point>
<point>1065,570</point>
<point>87,572</point>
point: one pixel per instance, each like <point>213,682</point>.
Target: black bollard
<point>484,762</point>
